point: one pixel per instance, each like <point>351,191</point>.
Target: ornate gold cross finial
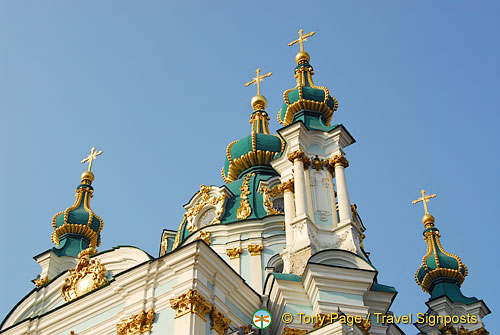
<point>425,199</point>
<point>302,38</point>
<point>258,79</point>
<point>90,158</point>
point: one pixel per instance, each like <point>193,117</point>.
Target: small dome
<point>257,149</point>
<point>79,219</point>
<point>306,97</point>
<point>438,263</point>
<point>253,150</point>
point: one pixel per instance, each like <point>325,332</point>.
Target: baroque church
<point>277,249</point>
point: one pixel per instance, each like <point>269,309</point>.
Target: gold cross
<point>425,199</point>
<point>90,158</point>
<point>258,79</point>
<point>301,39</point>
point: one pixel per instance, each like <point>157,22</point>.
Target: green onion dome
<point>306,97</point>
<point>437,264</point>
<point>257,149</point>
<point>78,227</point>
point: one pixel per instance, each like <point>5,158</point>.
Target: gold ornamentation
<point>205,199</point>
<point>190,215</point>
<point>298,155</point>
<point>338,160</point>
<point>303,104</point>
<point>293,331</point>
<point>354,210</point>
<point>82,194</point>
<point>255,249</point>
<point>88,275</point>
<point>287,186</point>
<point>361,239</point>
<point>234,253</point>
<point>365,326</point>
<point>268,194</point>
<point>164,244</point>
<point>191,302</point>
<point>428,219</point>
<point>90,158</point>
<point>260,124</point>
<point>302,38</point>
<point>245,162</point>
<point>136,324</point>
<point>219,321</point>
<point>244,210</point>
<point>258,79</point>
<point>317,163</point>
<point>41,281</point>
<point>205,236</point>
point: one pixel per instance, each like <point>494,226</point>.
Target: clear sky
<point>158,85</point>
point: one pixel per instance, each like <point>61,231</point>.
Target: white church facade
<point>281,235</point>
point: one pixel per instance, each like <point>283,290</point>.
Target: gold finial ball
<point>258,102</point>
<point>428,219</point>
<point>302,56</point>
<point>87,175</point>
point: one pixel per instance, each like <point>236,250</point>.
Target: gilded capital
<point>286,186</point>
<point>298,155</point>
<point>136,324</point>
<point>234,252</point>
<point>219,321</point>
<point>191,302</point>
<point>294,331</point>
<point>255,249</point>
<point>338,160</point>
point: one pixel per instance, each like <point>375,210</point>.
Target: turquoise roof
<point>231,205</point>
<point>315,101</point>
<point>263,142</point>
<point>78,227</point>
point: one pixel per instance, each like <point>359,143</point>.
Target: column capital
<point>219,321</point>
<point>298,155</point>
<point>205,236</point>
<point>338,160</point>
<point>141,322</point>
<point>287,186</point>
<point>191,302</point>
<point>234,252</point>
<point>255,249</point>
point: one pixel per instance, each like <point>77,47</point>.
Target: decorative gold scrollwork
<point>136,324</point>
<point>205,199</point>
<point>191,302</point>
<point>268,194</point>
<point>41,281</point>
<point>244,210</point>
<point>88,275</point>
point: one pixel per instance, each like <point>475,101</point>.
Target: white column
<point>289,211</point>
<point>255,251</point>
<point>308,186</point>
<point>331,187</point>
<point>340,163</point>
<point>298,158</point>
<point>191,309</point>
<point>234,258</point>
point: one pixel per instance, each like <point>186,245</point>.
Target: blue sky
<point>158,86</point>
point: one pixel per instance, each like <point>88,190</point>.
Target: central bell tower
<point>318,211</point>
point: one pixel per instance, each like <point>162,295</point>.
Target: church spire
<point>260,147</point>
<point>307,102</point>
<point>78,227</point>
<point>441,273</point>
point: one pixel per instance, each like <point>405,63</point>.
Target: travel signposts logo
<point>261,319</point>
